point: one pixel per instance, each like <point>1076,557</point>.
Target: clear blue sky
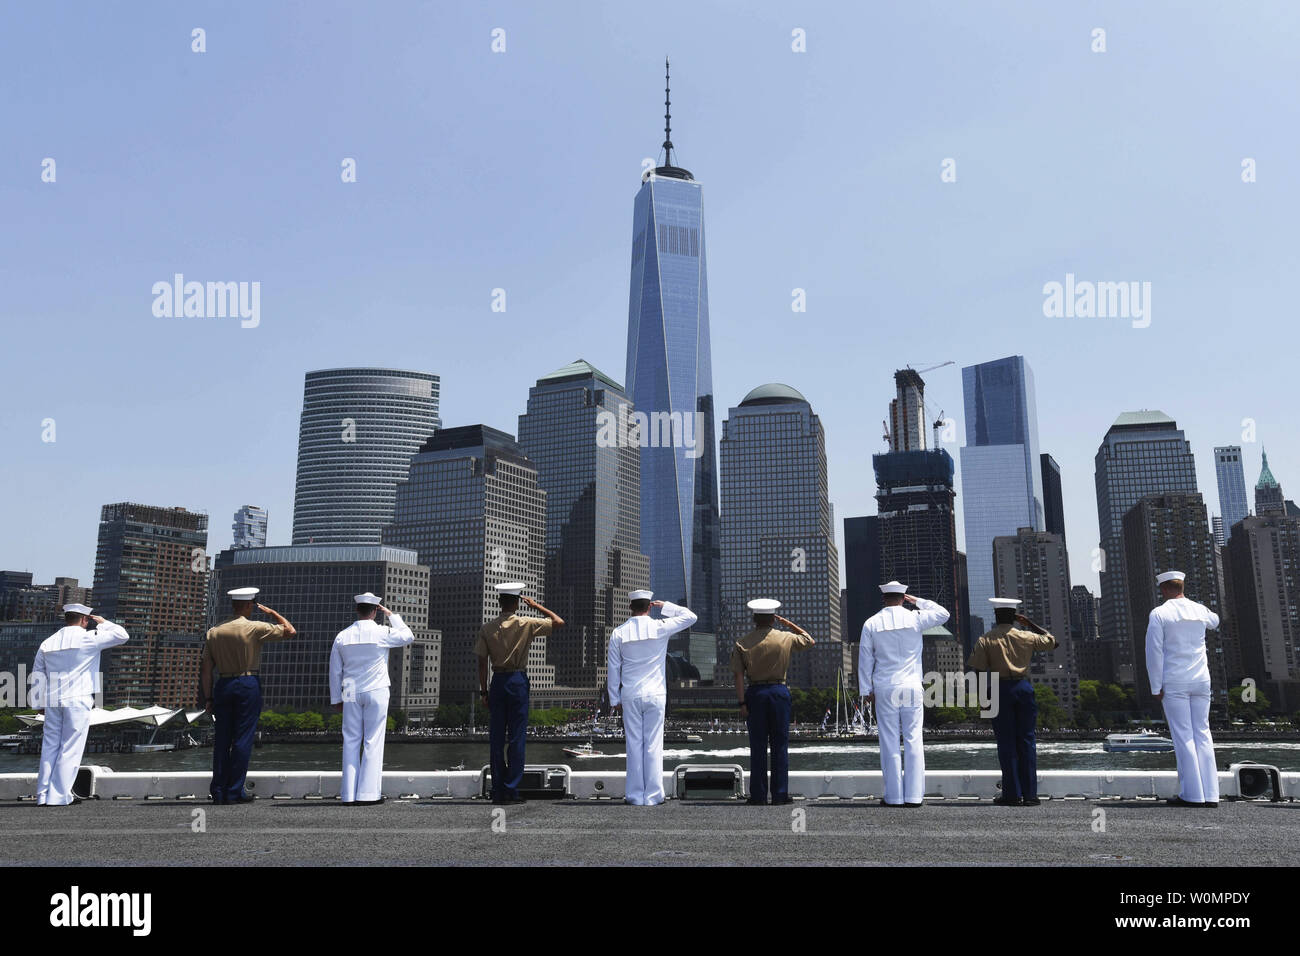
<point>821,170</point>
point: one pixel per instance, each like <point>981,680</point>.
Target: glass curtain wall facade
<point>670,378</point>
<point>1000,469</point>
<point>1230,475</point>
<point>591,473</point>
<point>359,429</point>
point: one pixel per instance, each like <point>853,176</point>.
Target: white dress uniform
<point>637,651</point>
<point>889,665</point>
<point>64,678</point>
<point>1176,664</point>
<point>359,681</point>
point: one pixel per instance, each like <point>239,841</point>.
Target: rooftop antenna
<point>668,136</point>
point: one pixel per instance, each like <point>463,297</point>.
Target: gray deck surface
<point>443,833</point>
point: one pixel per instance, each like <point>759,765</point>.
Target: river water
<point>715,748</point>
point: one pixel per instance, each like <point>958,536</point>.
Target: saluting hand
<point>656,603</point>
<point>910,598</point>
<point>96,618</point>
<point>529,601</point>
<point>264,609</point>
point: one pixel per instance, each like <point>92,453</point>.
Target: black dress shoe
<point>246,798</point>
<point>755,802</point>
<point>1211,805</point>
<point>370,803</point>
<point>884,804</point>
<point>782,802</point>
<point>1006,801</point>
<point>1180,802</point>
<point>1030,802</point>
<point>511,801</point>
<point>914,805</point>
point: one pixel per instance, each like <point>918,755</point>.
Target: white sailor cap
<point>1170,576</point>
<point>75,609</point>
<point>763,605</point>
<point>243,594</point>
<point>893,587</point>
<point>511,587</point>
<point>367,598</point>
<point>641,595</point>
<point>1004,602</point>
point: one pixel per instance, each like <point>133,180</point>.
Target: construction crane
<point>931,368</point>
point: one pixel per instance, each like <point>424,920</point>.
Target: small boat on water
<point>1144,742</point>
<point>151,748</point>
<point>583,750</point>
<point>694,739</point>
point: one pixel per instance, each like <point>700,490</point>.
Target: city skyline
<point>170,452</point>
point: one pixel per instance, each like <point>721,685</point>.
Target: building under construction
<point>915,507</point>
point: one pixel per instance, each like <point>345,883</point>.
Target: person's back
<point>70,661</point>
<point>1182,624</point>
<point>363,648</point>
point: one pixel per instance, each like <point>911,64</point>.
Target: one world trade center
<point>670,381</point>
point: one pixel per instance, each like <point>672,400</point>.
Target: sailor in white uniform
<point>637,651</point>
<point>889,677</point>
<point>1180,679</point>
<point>65,679</point>
<point>359,687</point>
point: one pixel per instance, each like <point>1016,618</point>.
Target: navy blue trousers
<point>769,727</point>
<point>508,701</point>
<point>1014,728</point>
<point>236,705</point>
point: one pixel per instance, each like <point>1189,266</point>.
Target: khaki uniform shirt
<point>506,639</point>
<point>1007,649</point>
<point>236,645</point>
<point>764,653</point>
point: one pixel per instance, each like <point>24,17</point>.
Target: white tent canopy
<point>156,716</point>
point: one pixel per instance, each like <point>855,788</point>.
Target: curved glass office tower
<point>670,381</point>
<point>360,428</point>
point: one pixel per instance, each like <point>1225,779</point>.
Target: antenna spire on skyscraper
<point>668,120</point>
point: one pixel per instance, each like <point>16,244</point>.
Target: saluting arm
<point>557,622</point>
<point>802,638</point>
<point>930,613</point>
<point>674,617</point>
<point>289,630</point>
<point>108,634</point>
<point>399,634</point>
<point>1048,640</point>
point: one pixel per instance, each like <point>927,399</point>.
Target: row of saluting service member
<point>889,677</point>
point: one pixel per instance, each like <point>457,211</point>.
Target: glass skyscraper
<point>1001,476</point>
<point>359,429</point>
<point>1231,478</point>
<point>593,514</point>
<point>778,529</point>
<point>1143,453</point>
<point>670,378</point>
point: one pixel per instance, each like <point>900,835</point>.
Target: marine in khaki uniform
<point>1006,651</point>
<point>763,655</point>
<point>234,651</point>
<point>504,642</point>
